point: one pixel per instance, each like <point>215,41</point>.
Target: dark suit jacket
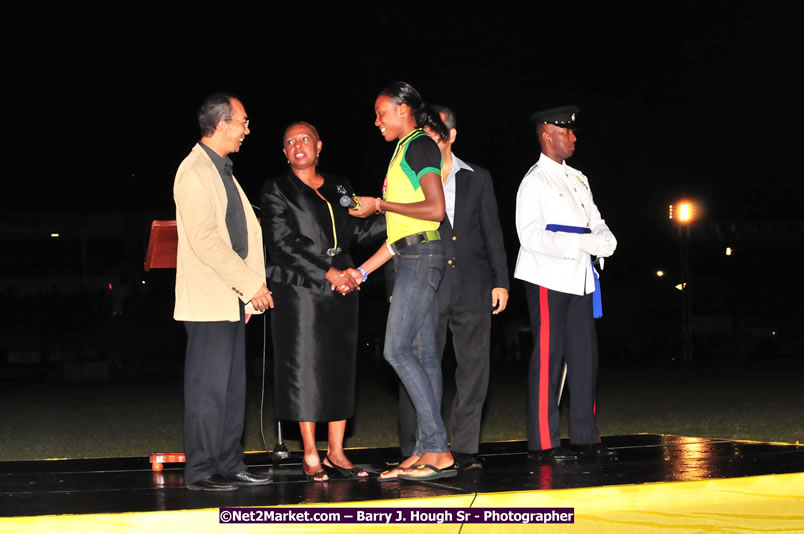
<point>476,261</point>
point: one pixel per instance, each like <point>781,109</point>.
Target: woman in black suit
<point>314,324</point>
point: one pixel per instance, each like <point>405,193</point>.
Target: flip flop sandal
<point>447,472</point>
<point>391,478</point>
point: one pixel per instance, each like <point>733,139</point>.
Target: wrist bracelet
<point>363,272</point>
<point>377,209</point>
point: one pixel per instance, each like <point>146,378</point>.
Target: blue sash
<point>597,301</point>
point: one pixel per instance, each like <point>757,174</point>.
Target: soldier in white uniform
<point>560,229</point>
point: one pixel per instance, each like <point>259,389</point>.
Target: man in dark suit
<point>474,286</point>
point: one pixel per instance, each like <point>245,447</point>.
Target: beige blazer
<point>210,276</point>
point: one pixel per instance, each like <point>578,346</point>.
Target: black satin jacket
<point>298,229</point>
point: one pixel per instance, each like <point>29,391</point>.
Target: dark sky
<point>675,98</point>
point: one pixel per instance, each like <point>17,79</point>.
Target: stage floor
<point>126,485</point>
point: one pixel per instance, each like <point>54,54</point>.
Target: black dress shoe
<point>245,478</point>
<point>210,484</point>
<point>466,461</point>
<point>594,450</point>
<point>556,454</point>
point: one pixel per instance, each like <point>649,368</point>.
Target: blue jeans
<point>410,338</point>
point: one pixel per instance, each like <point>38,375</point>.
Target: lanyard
<point>334,250</point>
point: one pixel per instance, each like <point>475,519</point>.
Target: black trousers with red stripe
<point>563,330</point>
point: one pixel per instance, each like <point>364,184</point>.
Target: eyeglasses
<point>244,121</point>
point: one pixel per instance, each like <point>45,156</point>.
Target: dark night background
<point>677,99</point>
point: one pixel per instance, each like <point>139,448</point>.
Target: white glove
<point>600,245</point>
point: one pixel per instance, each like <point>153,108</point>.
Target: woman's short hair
<point>299,123</point>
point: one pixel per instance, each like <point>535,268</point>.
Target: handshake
<point>599,243</point>
<point>344,282</point>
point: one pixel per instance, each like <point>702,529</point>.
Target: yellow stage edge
<point>767,503</point>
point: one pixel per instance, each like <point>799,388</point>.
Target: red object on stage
<point>162,245</point>
<point>159,460</point>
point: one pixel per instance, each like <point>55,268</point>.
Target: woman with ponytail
<point>413,202</point>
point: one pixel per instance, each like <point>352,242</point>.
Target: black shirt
<point>235,215</point>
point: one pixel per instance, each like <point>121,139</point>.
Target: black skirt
<point>314,335</point>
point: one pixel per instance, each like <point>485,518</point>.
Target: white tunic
<point>555,193</point>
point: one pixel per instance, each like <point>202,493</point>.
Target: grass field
<point>756,400</point>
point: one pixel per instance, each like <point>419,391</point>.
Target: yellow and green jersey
<point>416,155</point>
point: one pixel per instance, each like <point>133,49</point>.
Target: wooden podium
<point>162,245</point>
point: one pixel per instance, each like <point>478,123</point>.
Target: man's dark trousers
<point>563,331</point>
<point>214,392</point>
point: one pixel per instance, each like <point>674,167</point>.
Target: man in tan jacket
<point>220,283</point>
